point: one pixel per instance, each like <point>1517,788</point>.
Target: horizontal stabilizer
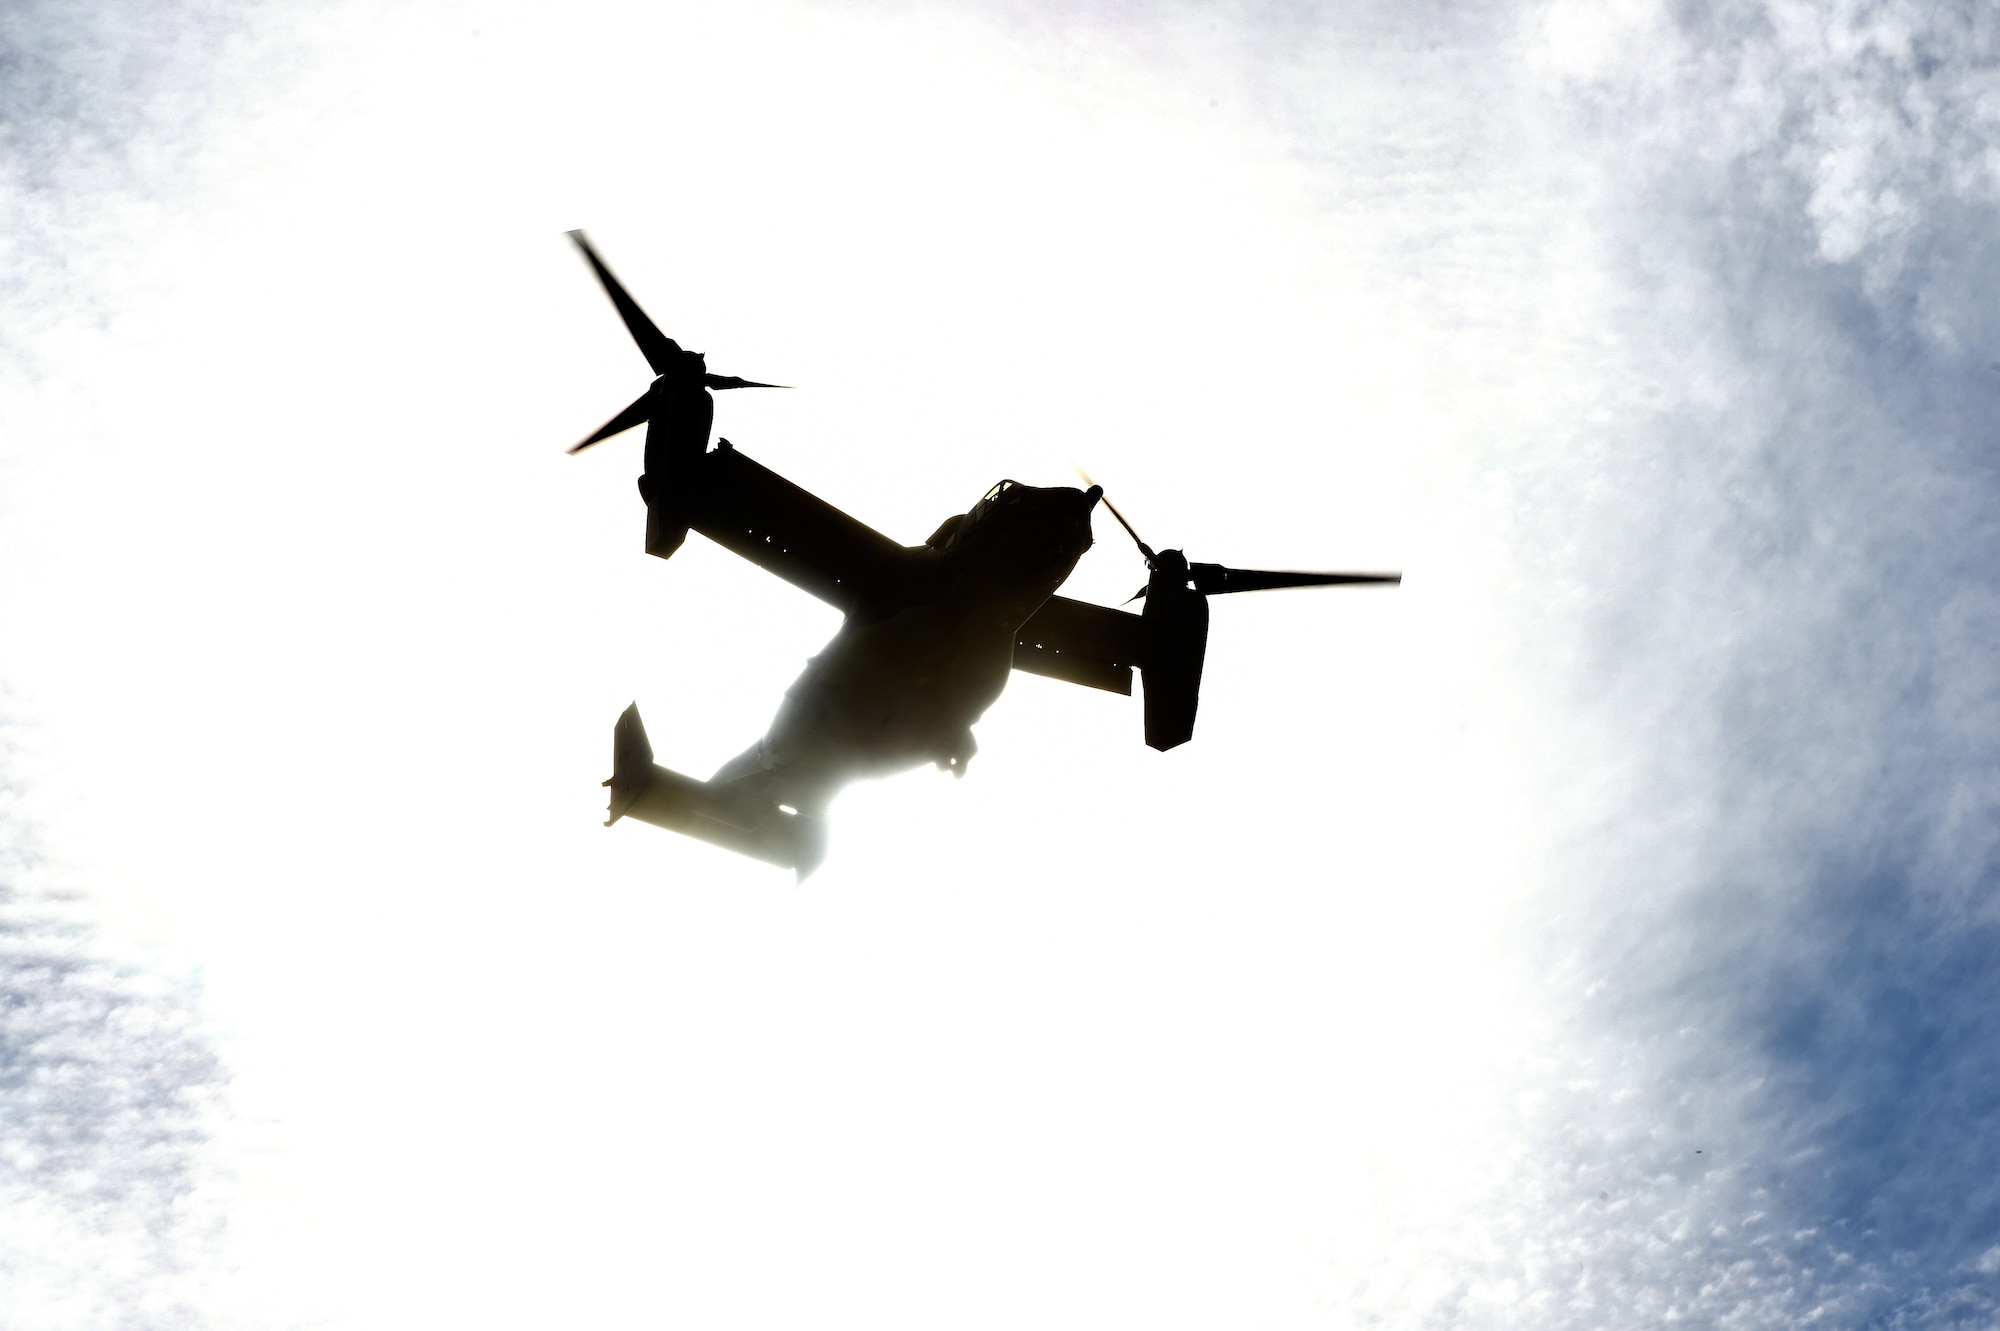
<point>733,819</point>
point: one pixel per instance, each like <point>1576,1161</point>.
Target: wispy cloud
<point>1777,927</point>
<point>108,1091</point>
<point>104,113</point>
<point>108,1083</point>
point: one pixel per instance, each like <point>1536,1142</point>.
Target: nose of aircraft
<point>1048,521</point>
<point>1082,540</point>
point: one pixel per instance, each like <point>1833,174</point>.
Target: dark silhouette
<point>931,630</point>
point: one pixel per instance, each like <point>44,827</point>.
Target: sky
<point>1597,930</point>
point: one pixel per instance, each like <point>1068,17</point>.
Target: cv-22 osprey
<point>931,633</point>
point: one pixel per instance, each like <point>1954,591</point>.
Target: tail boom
<point>733,819</point>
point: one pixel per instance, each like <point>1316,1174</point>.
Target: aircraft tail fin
<point>733,819</point>
<point>631,763</point>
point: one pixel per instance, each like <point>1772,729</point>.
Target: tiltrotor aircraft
<point>931,631</point>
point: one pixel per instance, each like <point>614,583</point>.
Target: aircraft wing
<point>774,524</point>
<point>1081,643</point>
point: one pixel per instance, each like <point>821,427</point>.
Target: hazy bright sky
<point>1598,931</point>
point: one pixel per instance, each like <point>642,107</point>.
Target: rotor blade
<point>1214,579</point>
<point>1144,549</point>
<point>722,381</point>
<point>636,414</point>
<point>659,350</point>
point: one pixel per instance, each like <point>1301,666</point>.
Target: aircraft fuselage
<point>910,672</point>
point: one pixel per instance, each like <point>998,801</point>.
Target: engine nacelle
<point>1176,620</point>
<point>681,415</point>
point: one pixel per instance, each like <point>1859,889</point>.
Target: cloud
<point>105,112</point>
<point>109,1085</point>
<point>1779,912</point>
<point>109,1088</point>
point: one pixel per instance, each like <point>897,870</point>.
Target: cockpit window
<point>999,490</point>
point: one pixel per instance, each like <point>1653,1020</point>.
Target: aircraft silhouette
<point>931,633</point>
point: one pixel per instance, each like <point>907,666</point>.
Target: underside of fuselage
<point>902,683</point>
<point>902,686</point>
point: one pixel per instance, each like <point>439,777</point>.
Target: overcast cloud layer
<point>1703,300</point>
